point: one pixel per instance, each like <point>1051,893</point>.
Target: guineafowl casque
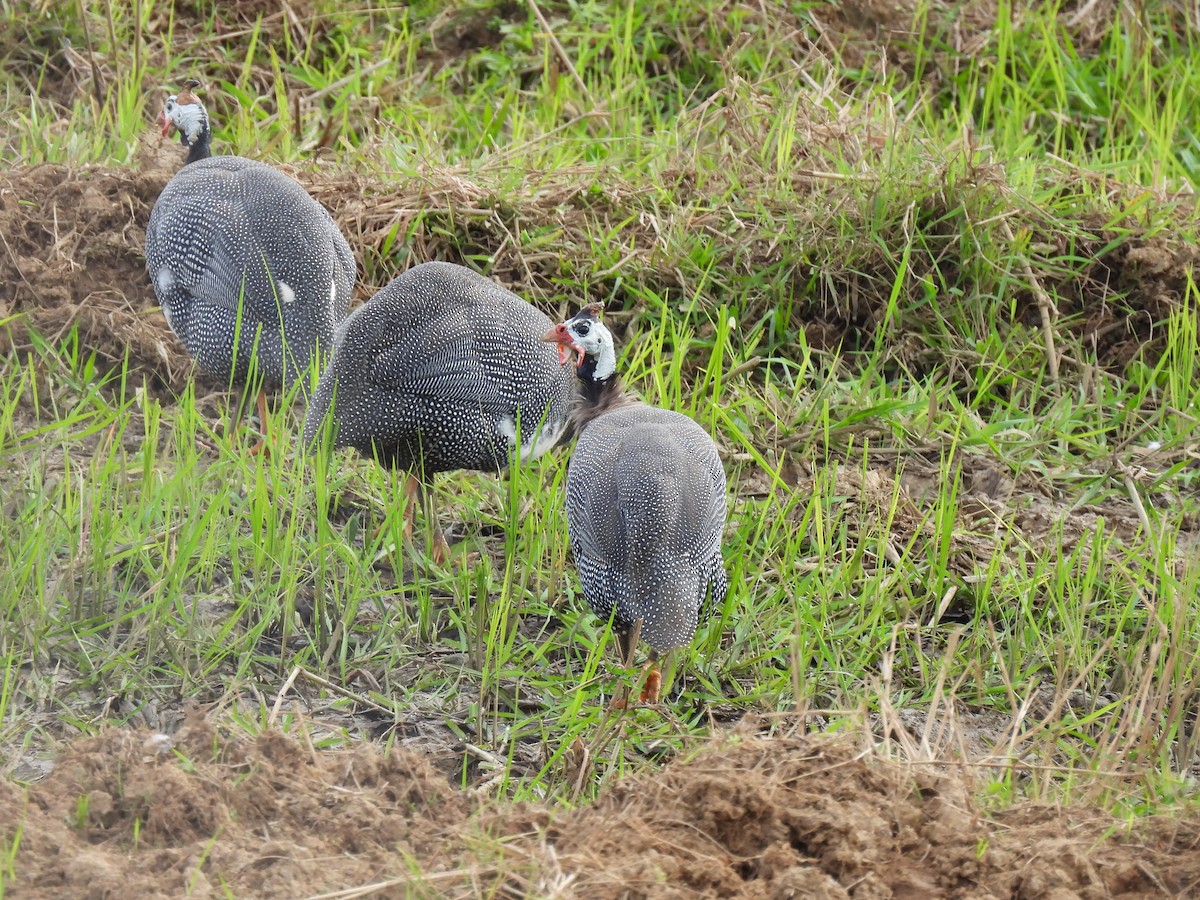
<point>251,272</point>
<point>442,369</point>
<point>645,505</point>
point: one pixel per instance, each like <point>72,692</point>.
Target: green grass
<point>825,259</point>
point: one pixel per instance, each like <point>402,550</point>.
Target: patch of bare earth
<point>207,814</point>
<point>126,813</point>
<point>72,254</point>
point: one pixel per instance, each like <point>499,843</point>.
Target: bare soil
<point>205,813</point>
<point>72,254</point>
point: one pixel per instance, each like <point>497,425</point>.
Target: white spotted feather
<point>440,369</point>
<point>248,268</point>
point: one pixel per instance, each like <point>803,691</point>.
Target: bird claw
<point>440,550</point>
<point>648,696</point>
<point>652,686</point>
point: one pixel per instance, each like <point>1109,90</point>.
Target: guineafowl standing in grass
<point>645,505</point>
<point>442,369</point>
<point>252,273</point>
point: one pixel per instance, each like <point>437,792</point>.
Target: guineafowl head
<point>590,340</point>
<point>185,113</point>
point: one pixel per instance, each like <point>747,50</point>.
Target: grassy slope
<point>834,256</point>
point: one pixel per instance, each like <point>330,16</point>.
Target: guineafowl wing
<point>231,284</point>
<point>432,366</point>
<point>594,522</point>
<point>707,510</point>
<point>187,240</point>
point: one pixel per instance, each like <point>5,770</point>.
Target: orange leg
<point>416,493</point>
<point>620,701</point>
<point>411,489</point>
<point>261,446</point>
<point>653,683</point>
<point>440,551</point>
<point>649,694</point>
<point>650,688</point>
<point>412,494</point>
<point>441,548</point>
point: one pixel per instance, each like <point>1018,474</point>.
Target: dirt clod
<point>749,816</point>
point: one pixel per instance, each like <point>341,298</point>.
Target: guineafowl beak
<point>559,335</point>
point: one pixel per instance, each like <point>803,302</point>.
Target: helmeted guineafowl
<point>442,369</point>
<point>645,504</point>
<point>247,266</point>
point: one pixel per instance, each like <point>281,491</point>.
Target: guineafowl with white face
<point>441,370</point>
<point>645,504</point>
<point>250,270</point>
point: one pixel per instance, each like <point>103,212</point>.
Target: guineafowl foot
<point>261,446</point>
<point>441,549</point>
<point>650,690</point>
<point>620,702</point>
<point>653,684</point>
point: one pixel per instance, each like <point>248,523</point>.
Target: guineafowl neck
<point>598,375</point>
<point>201,148</point>
<point>597,396</point>
<point>600,393</point>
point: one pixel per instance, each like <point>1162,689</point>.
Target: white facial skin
<point>590,338</point>
<point>189,118</point>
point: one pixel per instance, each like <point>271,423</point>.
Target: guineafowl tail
<point>669,604</point>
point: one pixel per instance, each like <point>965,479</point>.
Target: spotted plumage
<point>247,266</point>
<point>645,502</point>
<point>442,369</point>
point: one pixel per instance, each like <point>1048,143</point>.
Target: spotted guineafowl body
<point>645,511</point>
<point>246,265</point>
<point>645,503</point>
<point>442,369</point>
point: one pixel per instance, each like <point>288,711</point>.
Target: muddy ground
<point>205,813</point>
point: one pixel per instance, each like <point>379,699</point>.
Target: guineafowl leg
<point>440,549</point>
<point>412,494</point>
<point>261,446</point>
<point>627,641</point>
<point>653,682</point>
<point>418,491</point>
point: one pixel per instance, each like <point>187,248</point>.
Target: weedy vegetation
<point>931,287</point>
